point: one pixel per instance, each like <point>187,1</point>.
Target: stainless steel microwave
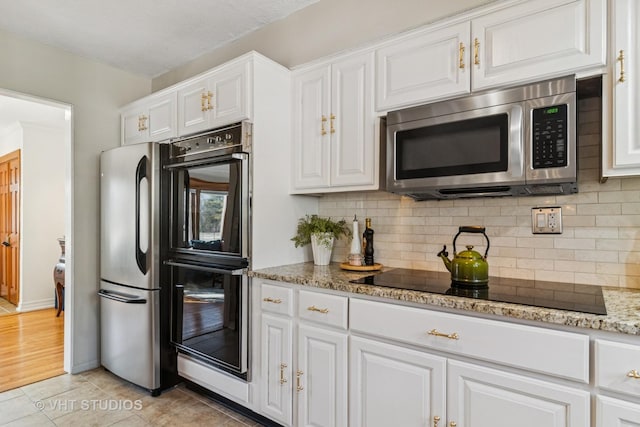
<point>513,142</point>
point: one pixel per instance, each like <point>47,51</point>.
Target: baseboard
<point>35,305</point>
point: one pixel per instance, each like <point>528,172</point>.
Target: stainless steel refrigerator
<point>130,286</point>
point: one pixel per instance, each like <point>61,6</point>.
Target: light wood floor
<point>31,347</point>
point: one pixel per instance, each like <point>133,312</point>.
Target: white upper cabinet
<point>150,119</point>
<point>536,40</point>
<point>215,99</point>
<point>621,150</point>
<point>428,65</point>
<point>334,143</point>
<point>527,41</point>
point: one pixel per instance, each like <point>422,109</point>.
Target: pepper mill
<point>368,243</point>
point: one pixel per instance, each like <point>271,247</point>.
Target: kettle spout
<point>444,255</point>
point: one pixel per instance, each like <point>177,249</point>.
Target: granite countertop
<point>623,305</point>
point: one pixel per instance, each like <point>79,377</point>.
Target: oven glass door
<point>210,315</point>
<point>210,207</point>
<point>483,145</point>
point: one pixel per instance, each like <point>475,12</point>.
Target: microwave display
<point>471,146</point>
<point>549,131</point>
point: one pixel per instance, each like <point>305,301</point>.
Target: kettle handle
<point>471,229</point>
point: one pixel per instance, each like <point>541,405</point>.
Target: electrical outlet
<point>547,220</point>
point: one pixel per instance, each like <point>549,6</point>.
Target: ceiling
<point>145,37</point>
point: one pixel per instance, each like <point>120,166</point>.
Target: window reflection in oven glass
<point>211,314</point>
<point>207,210</point>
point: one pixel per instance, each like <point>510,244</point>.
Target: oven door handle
<point>210,269</point>
<point>178,310</point>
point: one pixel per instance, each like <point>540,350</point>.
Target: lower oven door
<point>210,315</point>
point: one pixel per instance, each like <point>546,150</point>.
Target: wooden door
<point>10,226</point>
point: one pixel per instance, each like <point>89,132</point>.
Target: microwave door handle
<point>141,173</point>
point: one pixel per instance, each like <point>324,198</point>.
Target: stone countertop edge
<point>623,305</point>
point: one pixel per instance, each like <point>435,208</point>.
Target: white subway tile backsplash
<point>600,243</point>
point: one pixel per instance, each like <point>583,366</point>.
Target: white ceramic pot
<point>322,245</point>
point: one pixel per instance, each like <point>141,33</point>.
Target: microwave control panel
<point>549,136</point>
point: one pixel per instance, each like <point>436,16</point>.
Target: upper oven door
<point>477,147</point>
<point>210,206</point>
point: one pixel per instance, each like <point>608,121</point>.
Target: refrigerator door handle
<point>127,299</point>
<point>141,257</point>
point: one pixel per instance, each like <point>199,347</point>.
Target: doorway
<point>35,204</point>
<point>10,227</point>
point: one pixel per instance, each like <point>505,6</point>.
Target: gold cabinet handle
<point>298,383</point>
<point>203,100</point>
<point>209,104</point>
<point>322,130</point>
<point>272,300</point>
<point>453,424</point>
<point>142,122</point>
<point>332,117</point>
<point>476,51</point>
<point>436,419</point>
<point>319,310</point>
<point>621,61</point>
<point>461,56</point>
<point>634,374</point>
<point>282,378</point>
<point>453,336</point>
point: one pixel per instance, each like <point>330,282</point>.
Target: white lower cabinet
<point>321,377</point>
<point>395,386</point>
<point>479,396</point>
<point>303,358</point>
<point>616,413</point>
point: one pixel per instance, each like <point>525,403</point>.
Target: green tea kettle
<point>468,268</point>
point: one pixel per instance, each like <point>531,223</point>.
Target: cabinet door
<point>613,412</point>
<point>321,377</point>
<point>132,127</point>
<point>162,117</point>
<point>537,39</point>
<point>230,95</point>
<point>478,396</point>
<point>395,386</point>
<point>625,43</point>
<point>311,131</point>
<point>276,368</point>
<point>424,67</point>
<point>193,107</point>
<point>354,152</point>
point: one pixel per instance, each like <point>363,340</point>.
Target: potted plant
<point>321,233</point>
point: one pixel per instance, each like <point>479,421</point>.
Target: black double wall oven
<point>209,217</point>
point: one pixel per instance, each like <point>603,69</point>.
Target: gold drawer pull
<point>453,336</point>
<point>275,301</point>
<point>322,129</point>
<point>282,378</point>
<point>461,56</point>
<point>436,420</point>
<point>620,59</point>
<point>319,310</point>
<point>476,52</point>
<point>634,374</point>
<point>298,382</point>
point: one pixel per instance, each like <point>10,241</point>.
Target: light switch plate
<point>546,220</point>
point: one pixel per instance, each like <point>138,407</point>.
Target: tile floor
<point>6,307</point>
<point>98,398</point>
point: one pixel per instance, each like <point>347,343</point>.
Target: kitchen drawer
<point>276,299</point>
<point>323,308</point>
<point>615,366</point>
<point>557,353</point>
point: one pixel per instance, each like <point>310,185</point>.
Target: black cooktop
<point>563,296</point>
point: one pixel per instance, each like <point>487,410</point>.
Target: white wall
<point>95,91</point>
<point>43,165</point>
<point>324,28</point>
